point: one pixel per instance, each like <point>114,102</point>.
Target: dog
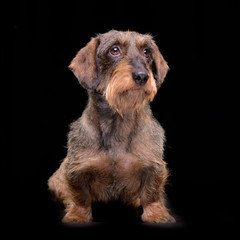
<point>115,149</point>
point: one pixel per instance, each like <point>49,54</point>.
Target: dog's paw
<point>158,218</point>
<point>78,215</point>
<point>156,213</point>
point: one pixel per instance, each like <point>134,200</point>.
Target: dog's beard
<point>128,101</point>
<point>124,95</point>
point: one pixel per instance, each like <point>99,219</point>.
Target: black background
<point>196,106</point>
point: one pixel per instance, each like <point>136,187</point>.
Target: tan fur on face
<point>124,95</point>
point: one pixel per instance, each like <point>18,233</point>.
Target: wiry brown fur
<point>115,149</point>
<point>122,93</point>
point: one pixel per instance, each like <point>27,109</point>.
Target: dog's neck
<point>114,129</point>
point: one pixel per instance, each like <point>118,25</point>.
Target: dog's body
<point>115,150</point>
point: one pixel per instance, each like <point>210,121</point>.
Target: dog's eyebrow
<point>117,39</point>
<point>143,43</point>
<point>116,42</point>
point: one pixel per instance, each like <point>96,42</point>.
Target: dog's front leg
<point>81,209</point>
<point>152,196</point>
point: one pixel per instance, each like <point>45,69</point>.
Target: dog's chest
<point>116,134</point>
<point>116,175</point>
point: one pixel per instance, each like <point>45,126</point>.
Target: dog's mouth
<point>137,89</point>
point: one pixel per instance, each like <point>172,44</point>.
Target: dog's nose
<point>140,77</point>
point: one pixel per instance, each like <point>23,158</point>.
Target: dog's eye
<point>146,52</point>
<point>115,51</point>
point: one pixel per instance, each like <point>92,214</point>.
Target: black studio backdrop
<point>194,105</point>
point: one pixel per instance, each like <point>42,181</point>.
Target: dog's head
<point>126,67</point>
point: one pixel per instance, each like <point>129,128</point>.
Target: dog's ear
<point>160,67</point>
<point>84,65</point>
